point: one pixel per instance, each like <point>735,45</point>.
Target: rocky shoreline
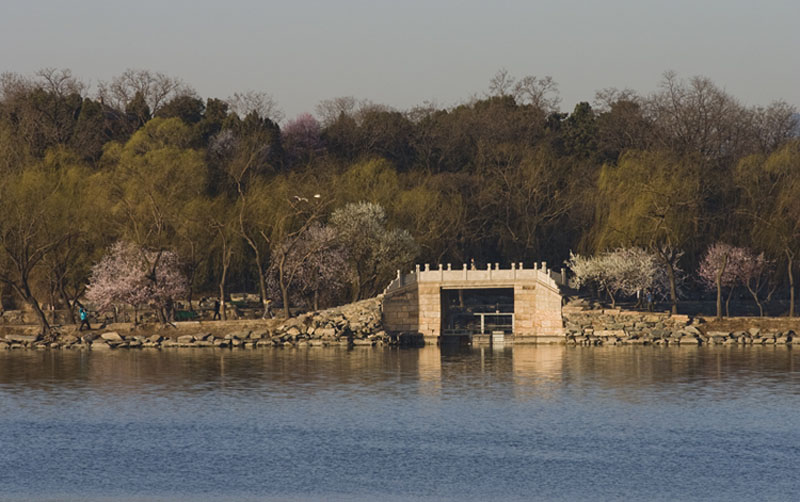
<point>689,335</point>
<point>357,324</point>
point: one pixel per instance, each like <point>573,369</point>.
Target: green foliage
<point>155,176</point>
<point>373,180</point>
<point>503,177</point>
<point>649,198</point>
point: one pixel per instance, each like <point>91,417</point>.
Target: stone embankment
<point>355,324</point>
<point>622,327</point>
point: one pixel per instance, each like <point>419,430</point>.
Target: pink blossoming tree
<point>753,274</point>
<point>132,275</point>
<point>725,267</point>
<point>720,269</point>
<point>302,138</point>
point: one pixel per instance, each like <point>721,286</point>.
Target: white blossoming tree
<point>625,271</point>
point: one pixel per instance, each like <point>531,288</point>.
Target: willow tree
<point>154,178</point>
<point>769,189</point>
<point>154,175</point>
<point>32,203</point>
<point>650,199</point>
<point>81,212</point>
<point>436,214</point>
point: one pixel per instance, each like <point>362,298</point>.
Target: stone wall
<point>401,309</point>
<point>623,327</point>
<point>430,311</point>
<point>616,326</point>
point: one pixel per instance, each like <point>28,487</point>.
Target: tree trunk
<point>284,291</point>
<point>316,299</point>
<point>24,290</point>
<point>262,282</point>
<point>43,324</point>
<point>789,266</point>
<point>728,302</point>
<point>673,288</point>
<point>754,294</point>
<point>69,305</point>
<point>162,318</point>
<point>718,281</point>
<point>222,311</point>
<point>190,289</point>
<point>356,288</point>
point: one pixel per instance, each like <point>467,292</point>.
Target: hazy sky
<point>404,52</point>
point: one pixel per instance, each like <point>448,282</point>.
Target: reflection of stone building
<point>429,370</point>
<point>540,362</point>
<point>523,302</point>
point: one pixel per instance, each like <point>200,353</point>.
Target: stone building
<point>518,303</point>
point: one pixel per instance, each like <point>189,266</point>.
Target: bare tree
<point>502,83</point>
<point>258,102</point>
<point>697,116</point>
<point>331,109</point>
<point>774,125</point>
<point>154,87</point>
<point>541,93</point>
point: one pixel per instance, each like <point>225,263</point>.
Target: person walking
<point>216,311</point>
<point>267,309</point>
<point>84,319</point>
<point>649,301</point>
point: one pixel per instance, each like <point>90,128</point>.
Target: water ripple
<point>528,423</point>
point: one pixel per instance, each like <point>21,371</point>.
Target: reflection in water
<point>625,369</point>
<point>456,423</point>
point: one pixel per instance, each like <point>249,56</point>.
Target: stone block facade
<point>401,310</point>
<point>413,302</point>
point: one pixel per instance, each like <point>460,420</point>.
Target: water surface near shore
<point>521,423</point>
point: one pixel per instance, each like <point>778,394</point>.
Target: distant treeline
<point>503,177</point>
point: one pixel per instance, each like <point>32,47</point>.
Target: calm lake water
<point>522,423</point>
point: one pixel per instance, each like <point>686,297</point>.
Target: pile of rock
<point>753,336</point>
<point>688,335</point>
<point>354,324</point>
